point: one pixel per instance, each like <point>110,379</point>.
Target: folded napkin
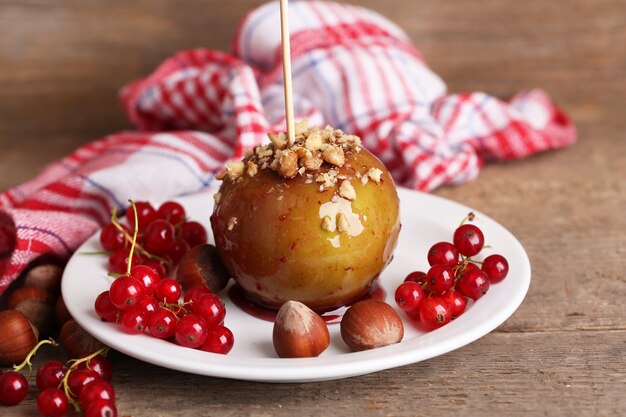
<point>352,69</point>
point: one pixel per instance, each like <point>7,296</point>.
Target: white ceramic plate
<point>426,219</point>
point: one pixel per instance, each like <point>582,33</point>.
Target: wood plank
<point>533,374</point>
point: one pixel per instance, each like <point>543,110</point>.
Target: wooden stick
<point>284,26</point>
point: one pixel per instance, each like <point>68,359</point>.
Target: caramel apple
<point>314,221</point>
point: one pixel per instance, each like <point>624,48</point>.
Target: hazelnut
<point>76,341</point>
<point>299,332</point>
<point>202,266</point>
<point>371,324</point>
<point>46,276</point>
<point>29,293</point>
<point>17,337</point>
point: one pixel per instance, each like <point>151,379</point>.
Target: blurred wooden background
<point>561,354</point>
<point>63,62</point>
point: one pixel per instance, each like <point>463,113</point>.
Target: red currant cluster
<point>144,301</point>
<point>83,383</point>
<point>164,236</point>
<point>440,295</point>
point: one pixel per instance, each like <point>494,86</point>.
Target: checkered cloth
<point>352,69</point>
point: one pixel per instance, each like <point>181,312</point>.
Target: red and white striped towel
<point>352,69</point>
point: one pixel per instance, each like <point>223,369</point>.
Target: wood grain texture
<point>561,354</point>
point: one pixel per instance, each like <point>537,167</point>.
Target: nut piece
<point>370,324</point>
<point>202,266</point>
<point>346,190</point>
<point>234,170</point>
<point>251,169</point>
<point>374,174</point>
<point>314,141</point>
<point>232,222</point>
<point>288,164</point>
<point>299,332</point>
<point>327,224</point>
<point>334,155</point>
<point>312,164</point>
<point>342,223</point>
<point>278,140</point>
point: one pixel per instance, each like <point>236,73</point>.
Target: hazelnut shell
<point>17,337</point>
<point>46,276</point>
<point>76,341</point>
<point>29,293</point>
<point>202,266</point>
<point>370,324</point>
<point>299,332</point>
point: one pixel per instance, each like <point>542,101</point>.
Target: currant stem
<point>72,364</point>
<point>129,239</point>
<point>469,218</point>
<point>136,231</point>
<point>32,353</point>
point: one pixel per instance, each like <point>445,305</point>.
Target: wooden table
<point>562,353</point>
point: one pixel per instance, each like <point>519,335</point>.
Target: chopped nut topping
<point>234,169</point>
<point>278,140</point>
<point>217,197</point>
<point>346,190</point>
<point>313,163</point>
<point>232,222</point>
<point>334,155</point>
<point>314,141</point>
<point>375,174</point>
<point>251,168</point>
<point>328,224</point>
<point>302,127</point>
<point>288,164</point>
<point>342,223</point>
<point>220,175</point>
<point>316,154</point>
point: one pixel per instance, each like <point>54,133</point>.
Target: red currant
<point>126,292</point>
<point>180,248</point>
<point>474,284</point>
<point>220,340</point>
<point>162,324</point>
<point>133,321</point>
<point>435,312</point>
<point>159,237</point>
<point>496,267</point>
<point>52,402</point>
<point>147,276</point>
<point>440,278</point>
<point>211,309</point>
<point>100,365</point>
<point>409,296</point>
<point>49,374</point>
<point>194,233</point>
<point>97,390</point>
<point>79,379</point>
<point>418,277</point>
<point>111,238</point>
<point>146,214</point>
<point>443,253</point>
<point>168,290</point>
<point>456,301</point>
<point>105,308</point>
<point>101,408</point>
<point>194,294</point>
<point>118,261</point>
<point>468,239</point>
<point>148,306</point>
<point>464,267</point>
<point>191,331</point>
<point>172,212</point>
<point>158,266</point>
<point>13,388</point>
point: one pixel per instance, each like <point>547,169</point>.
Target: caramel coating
<point>268,231</point>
